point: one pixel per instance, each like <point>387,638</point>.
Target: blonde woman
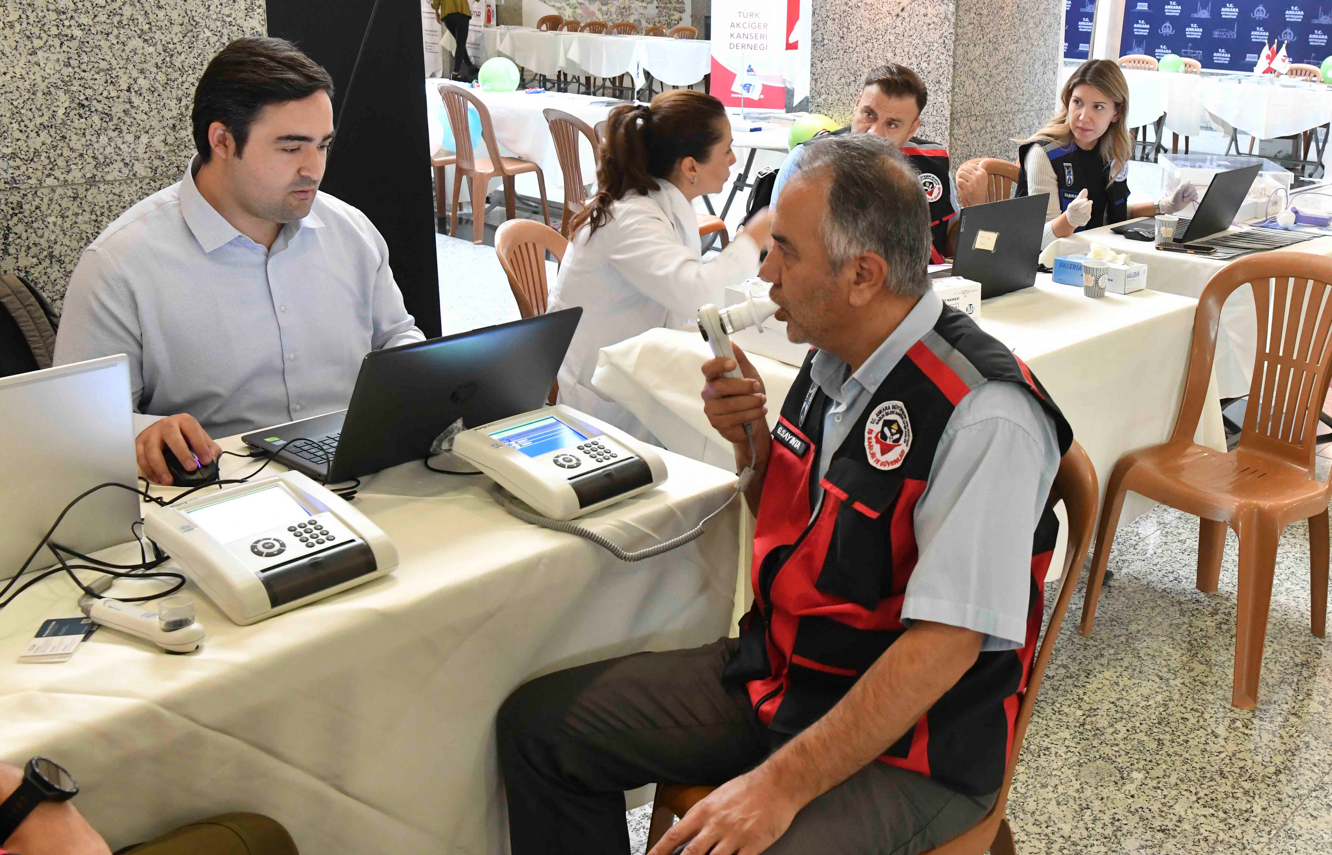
<point>1081,157</point>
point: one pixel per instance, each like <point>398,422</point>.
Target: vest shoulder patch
<point>787,437</point>
<point>888,435</point>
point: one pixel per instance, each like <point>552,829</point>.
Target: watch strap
<point>16,808</point>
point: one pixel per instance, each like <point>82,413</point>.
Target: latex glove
<point>1078,212</point>
<point>1184,195</point>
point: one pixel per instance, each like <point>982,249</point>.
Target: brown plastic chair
<point>564,129</point>
<point>624,28</point>
<point>1304,71</point>
<point>655,30</point>
<point>600,129</point>
<point>1192,66</point>
<point>482,169</point>
<point>684,31</point>
<point>548,23</point>
<point>571,26</point>
<point>1075,485</point>
<point>598,27</point>
<point>1266,483</point>
<point>710,225</point>
<point>522,246</point>
<point>1139,61</point>
<point>438,161</point>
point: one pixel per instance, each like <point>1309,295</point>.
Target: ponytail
<point>644,143</point>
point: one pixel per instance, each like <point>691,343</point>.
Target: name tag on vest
<point>795,444</point>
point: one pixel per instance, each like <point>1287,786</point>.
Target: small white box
<point>1120,278</point>
<point>962,294</point>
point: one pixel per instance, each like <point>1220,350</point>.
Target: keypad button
<point>291,528</point>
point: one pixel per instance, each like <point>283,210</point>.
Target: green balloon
<point>807,126</point>
<point>1171,63</point>
<point>1327,70</point>
<point>499,74</point>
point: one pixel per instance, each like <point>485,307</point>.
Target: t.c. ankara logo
<point>888,435</point>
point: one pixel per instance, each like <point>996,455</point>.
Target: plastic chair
<point>624,28</point>
<point>522,246</point>
<point>655,30</point>
<point>600,129</point>
<point>684,31</point>
<point>482,169</point>
<point>1192,66</point>
<point>564,129</point>
<point>571,26</point>
<point>438,161</point>
<point>1002,176</point>
<point>713,225</point>
<point>598,27</point>
<point>1075,485</point>
<point>1268,481</point>
<point>549,23</point>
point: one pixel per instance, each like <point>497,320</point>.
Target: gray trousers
<point>572,742</point>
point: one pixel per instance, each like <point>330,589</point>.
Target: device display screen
<point>238,517</point>
<point>539,437</point>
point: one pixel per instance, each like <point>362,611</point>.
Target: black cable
<point>145,565</point>
<point>70,568</point>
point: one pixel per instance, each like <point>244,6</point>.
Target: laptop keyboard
<point>1256,239</point>
<point>316,451</point>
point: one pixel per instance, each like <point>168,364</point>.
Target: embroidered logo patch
<point>932,186</point>
<point>784,435</point>
<point>888,435</point>
<point>1068,174</point>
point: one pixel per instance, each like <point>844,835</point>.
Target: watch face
<point>55,775</point>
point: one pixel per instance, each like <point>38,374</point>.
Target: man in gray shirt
<point>242,295</point>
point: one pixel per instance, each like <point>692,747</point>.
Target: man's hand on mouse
<point>186,439</point>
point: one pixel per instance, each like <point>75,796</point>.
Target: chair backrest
<point>1138,60</point>
<point>1292,298</point>
<point>546,23</point>
<point>655,30</point>
<point>522,246</point>
<point>1192,66</point>
<point>1075,485</point>
<point>684,31</point>
<point>1002,176</point>
<point>624,28</point>
<point>595,27</point>
<point>571,26</point>
<point>1306,72</point>
<point>456,101</point>
<point>564,129</point>
<point>601,135</point>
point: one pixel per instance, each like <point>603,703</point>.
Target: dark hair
<point>897,80</point>
<point>643,143</point>
<point>246,76</point>
<point>875,204</point>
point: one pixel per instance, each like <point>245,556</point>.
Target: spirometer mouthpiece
<point>751,313</point>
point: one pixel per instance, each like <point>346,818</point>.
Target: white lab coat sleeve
<point>646,251</point>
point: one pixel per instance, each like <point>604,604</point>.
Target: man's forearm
<point>885,702</point>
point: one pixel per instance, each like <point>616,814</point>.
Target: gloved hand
<point>1078,212</point>
<point>1184,195</point>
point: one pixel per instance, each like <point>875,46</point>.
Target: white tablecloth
<point>1265,110</point>
<point>1187,275</point>
<point>1115,366</point>
<point>365,722</point>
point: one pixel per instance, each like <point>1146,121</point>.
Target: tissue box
<point>1122,278</point>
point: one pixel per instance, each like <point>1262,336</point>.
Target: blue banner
<point>1227,34</point>
<point>1078,28</point>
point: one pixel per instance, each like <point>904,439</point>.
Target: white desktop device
<point>561,462</point>
<point>262,548</point>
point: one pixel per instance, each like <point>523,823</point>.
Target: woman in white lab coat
<point>635,259</point>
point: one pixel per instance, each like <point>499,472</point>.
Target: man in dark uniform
<point>900,551</point>
<point>889,106</point>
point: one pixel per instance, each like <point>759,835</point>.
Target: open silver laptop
<point>63,431</point>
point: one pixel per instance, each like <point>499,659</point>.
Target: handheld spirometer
<point>265,547</point>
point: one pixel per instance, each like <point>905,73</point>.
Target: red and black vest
<point>830,577</point>
<point>930,159</point>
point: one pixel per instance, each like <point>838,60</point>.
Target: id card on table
<point>57,639</point>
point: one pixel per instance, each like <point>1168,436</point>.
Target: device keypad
<point>600,453</point>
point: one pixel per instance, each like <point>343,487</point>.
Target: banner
<point>749,47</point>
<point>1227,34</point>
<point>1078,15</point>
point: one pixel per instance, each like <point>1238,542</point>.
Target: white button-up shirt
<point>643,269</point>
<point>215,325</point>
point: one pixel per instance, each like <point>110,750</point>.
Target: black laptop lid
<point>406,396</point>
<point>1220,203</point>
<point>999,243</point>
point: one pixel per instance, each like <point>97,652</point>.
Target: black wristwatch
<point>43,781</point>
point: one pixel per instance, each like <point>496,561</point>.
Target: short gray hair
<point>875,204</point>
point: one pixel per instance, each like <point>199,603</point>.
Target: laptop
<point>64,431</point>
<point>405,397</point>
<point>999,244</point>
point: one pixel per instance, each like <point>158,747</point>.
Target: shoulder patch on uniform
<point>888,435</point>
<point>932,186</point>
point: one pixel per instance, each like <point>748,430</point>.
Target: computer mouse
<point>203,474</point>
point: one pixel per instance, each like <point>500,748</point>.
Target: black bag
<point>760,192</point>
<point>27,327</point>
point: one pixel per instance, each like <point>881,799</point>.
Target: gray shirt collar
<point>212,230</point>
<point>829,372</point>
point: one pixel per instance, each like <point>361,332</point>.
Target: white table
<point>1266,110</point>
<point>1115,367</point>
<point>365,722</point>
<point>1187,275</point>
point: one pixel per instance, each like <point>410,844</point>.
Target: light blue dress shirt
<point>791,166</point>
<point>988,485</point>
<point>217,326</point>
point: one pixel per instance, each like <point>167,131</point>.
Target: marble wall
<point>96,105</point>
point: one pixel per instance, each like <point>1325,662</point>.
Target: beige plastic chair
<point>624,28</point>
<point>600,128</point>
<point>438,161</point>
<point>1268,481</point>
<point>1075,485</point>
<point>1192,66</point>
<point>548,23</point>
<point>598,27</point>
<point>522,246</point>
<point>1001,175</point>
<point>565,129</point>
<point>482,169</point>
<point>655,30</point>
<point>684,31</point>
